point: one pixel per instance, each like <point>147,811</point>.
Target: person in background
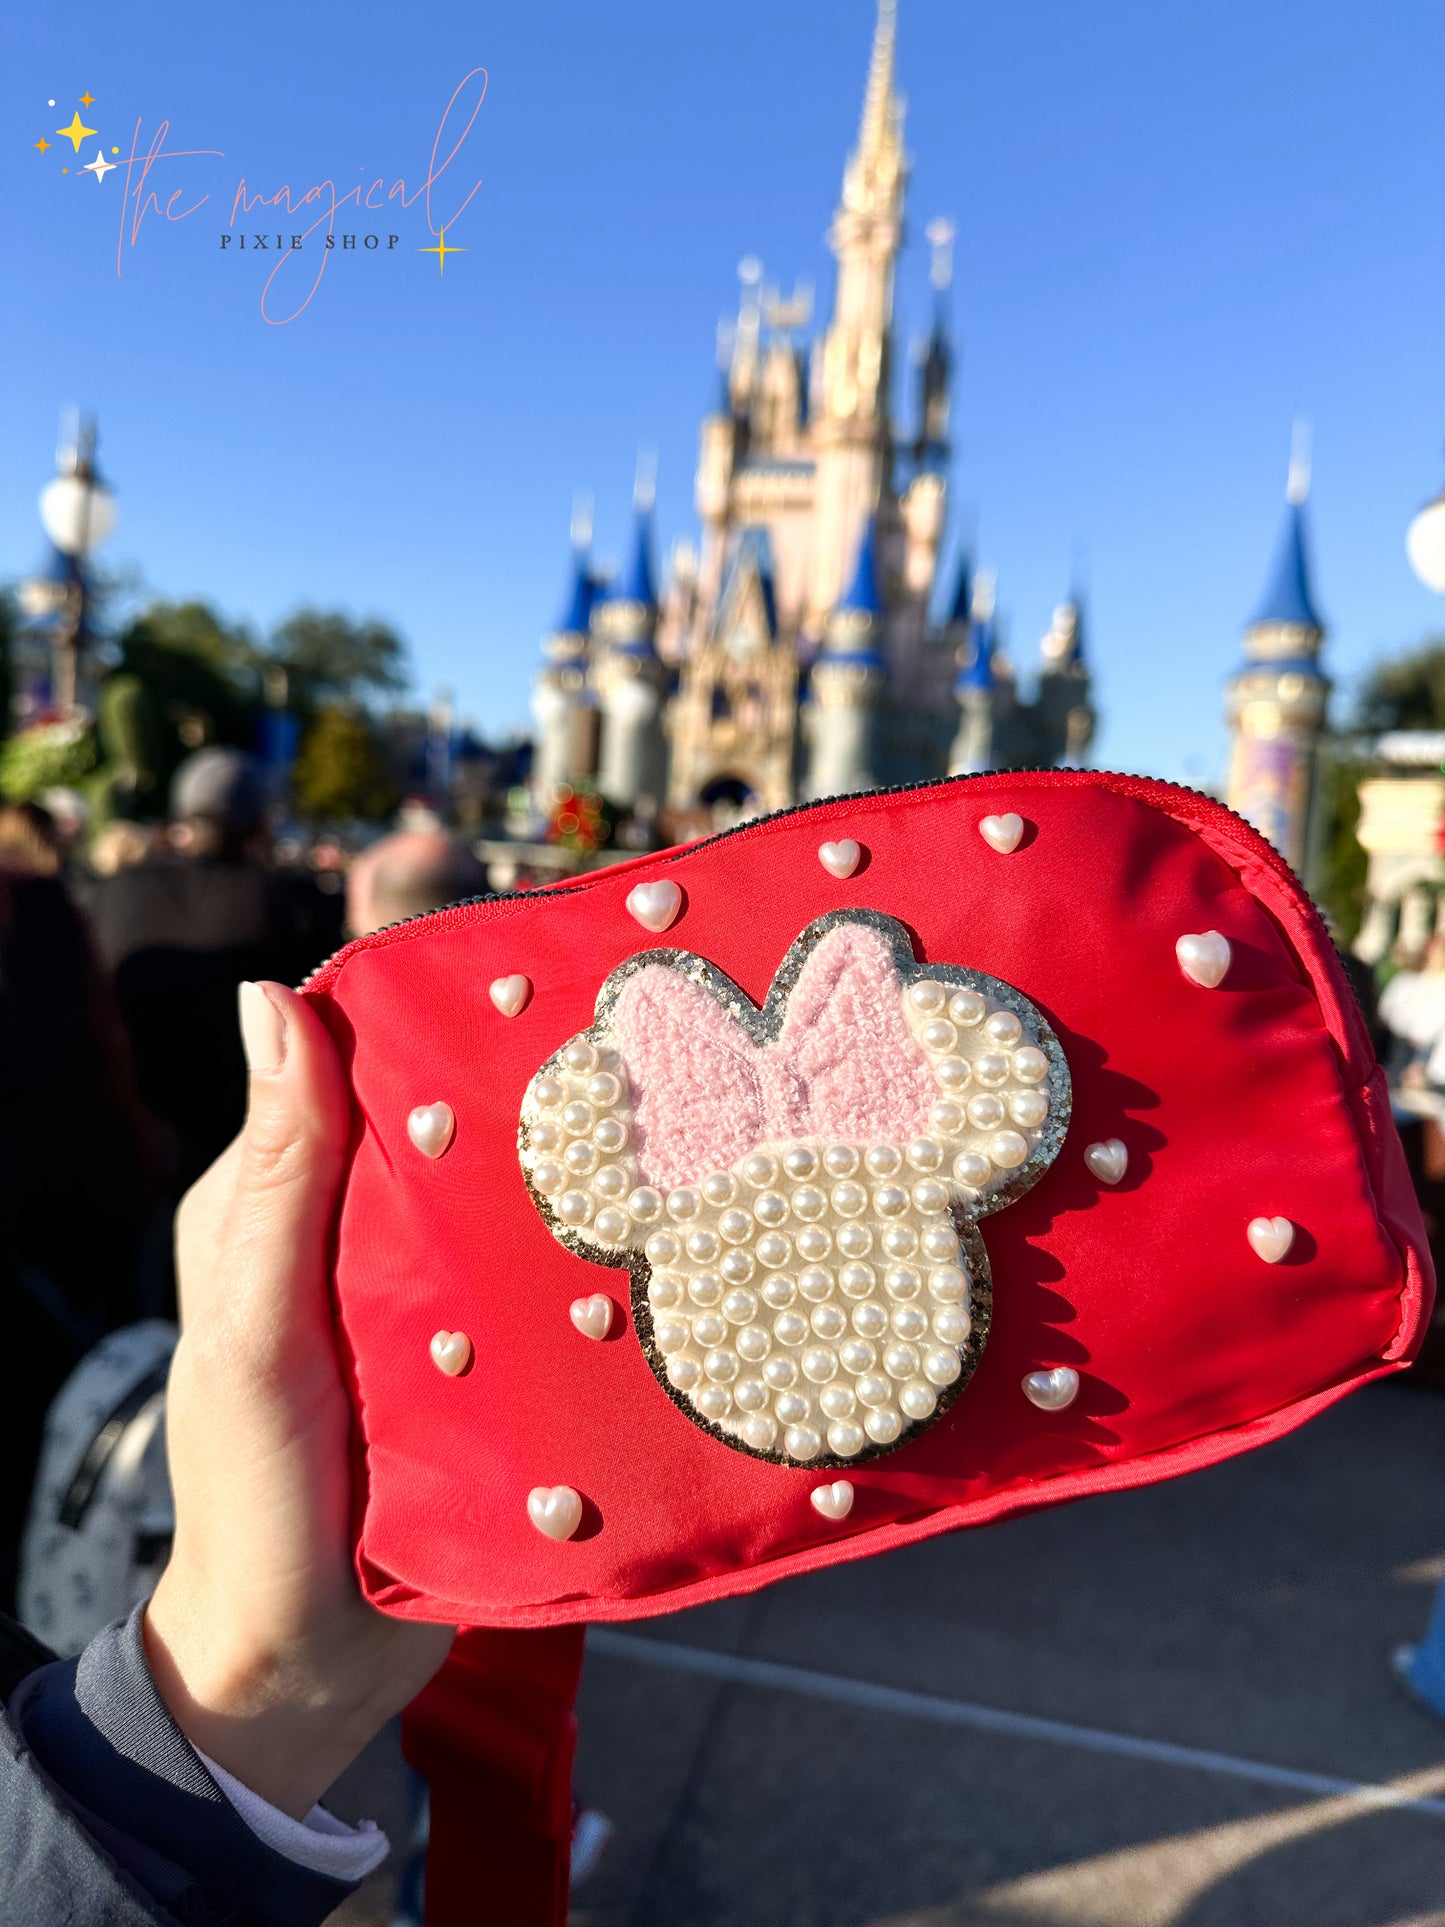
<point>1412,1010</point>
<point>182,929</point>
<point>406,875</point>
<point>30,843</point>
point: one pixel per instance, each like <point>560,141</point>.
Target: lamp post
<point>79,513</point>
<point>1425,544</point>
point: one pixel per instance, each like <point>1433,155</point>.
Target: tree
<point>1407,692</point>
<point>340,770</point>
<point>183,678</point>
<point>329,658</point>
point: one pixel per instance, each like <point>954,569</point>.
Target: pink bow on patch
<point>844,1065</point>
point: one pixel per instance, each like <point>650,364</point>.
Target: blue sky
<point>1178,228</point>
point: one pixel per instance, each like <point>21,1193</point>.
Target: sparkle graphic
<point>76,132</point>
<point>43,145</point>
<point>100,166</point>
<point>115,150</point>
<point>441,251</point>
<point>86,98</point>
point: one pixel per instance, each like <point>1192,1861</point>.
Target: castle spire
<point>880,106</point>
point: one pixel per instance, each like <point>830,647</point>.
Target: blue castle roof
<point>637,582</point>
<point>1289,595</point>
<point>862,596</point>
<point>962,604</point>
<point>976,672</point>
<point>577,611</point>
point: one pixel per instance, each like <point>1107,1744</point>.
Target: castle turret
<point>1276,701</point>
<point>975,686</point>
<point>1065,714</point>
<point>629,677</point>
<point>847,683</point>
<point>561,701</point>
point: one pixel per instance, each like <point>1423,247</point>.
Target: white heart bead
<point>451,1352</point>
<point>655,905</point>
<point>430,1128</point>
<point>555,1510</point>
<point>834,1501</point>
<point>510,994</point>
<point>592,1316</point>
<point>1271,1238</point>
<point>1108,1160</point>
<point>1052,1391</point>
<point>1002,833</point>
<point>1204,957</point>
<point>840,859</point>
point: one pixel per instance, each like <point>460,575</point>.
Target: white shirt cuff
<point>320,1842</point>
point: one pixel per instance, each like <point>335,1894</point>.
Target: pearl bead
<point>754,1343</point>
<point>857,1355</point>
<point>927,996</point>
<point>683,1204</point>
<point>802,1442</point>
<point>760,1168</point>
<point>882,1160</point>
<point>610,1181</point>
<point>941,1366</point>
<point>869,1319</point>
<point>1028,1108</point>
<point>985,1113</point>
<point>815,1283</point>
<point>709,1328</point>
<point>779,1292</point>
<point>900,1241</point>
<point>609,1134</point>
<point>548,1091</point>
<point>809,1202</point>
<point>939,1035</point>
<point>1004,1028</point>
<point>713,1401</point>
<point>901,1282</point>
<point>705,1288</point>
<point>611,1225</point>
<point>991,1069</point>
<point>953,1073</point>
<point>702,1245</point>
<point>451,1352</point>
<point>774,1249</point>
<point>760,1432</point>
<point>737,1267</point>
<point>882,1425</point>
<point>671,1334</point>
<point>574,1207</point>
<point>814,1242</point>
<point>840,1160</point>
<point>780,1372</point>
<point>890,1200</point>
<point>663,1248</point>
<point>736,1226</point>
<point>555,1510</point>
<point>873,1389</point>
<point>740,1307</point>
<point>789,1328</point>
<point>946,1117</point>
<point>577,1117</point>
<point>1008,1150</point>
<point>952,1325</point>
<point>820,1363</point>
<point>940,1244</point>
<point>829,1320</point>
<point>857,1280</point>
<point>966,1007</point>
<point>791,1407</point>
<point>580,1158</point>
<point>909,1321</point>
<point>645,1204</point>
<point>580,1056</point>
<point>719,1188</point>
<point>1030,1065</point>
<point>924,1154</point>
<point>849,1200</point>
<point>548,1175</point>
<point>720,1365</point>
<point>664,1290</point>
<point>946,1285</point>
<point>972,1169</point>
<point>683,1371</point>
<point>770,1209</point>
<point>800,1162</point>
<point>545,1135</point>
<point>930,1195</point>
<point>855,1240</point>
<point>846,1438</point>
<point>900,1360</point>
<point>837,1400</point>
<point>918,1399</point>
<point>603,1090</point>
<point>750,1395</point>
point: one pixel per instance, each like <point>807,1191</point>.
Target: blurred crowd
<point>121,1071</point>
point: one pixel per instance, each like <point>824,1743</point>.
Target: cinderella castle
<point>807,645</point>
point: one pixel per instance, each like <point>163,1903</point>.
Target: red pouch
<point>932,1156</point>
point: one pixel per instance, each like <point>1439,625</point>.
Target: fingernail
<point>263,1030</point>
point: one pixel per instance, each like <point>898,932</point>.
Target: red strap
<point>493,1736</point>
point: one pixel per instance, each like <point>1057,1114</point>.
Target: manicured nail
<point>263,1030</point>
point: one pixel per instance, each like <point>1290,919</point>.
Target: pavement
<point>1198,1717</point>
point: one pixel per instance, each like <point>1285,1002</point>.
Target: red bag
<point>1181,1226</point>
